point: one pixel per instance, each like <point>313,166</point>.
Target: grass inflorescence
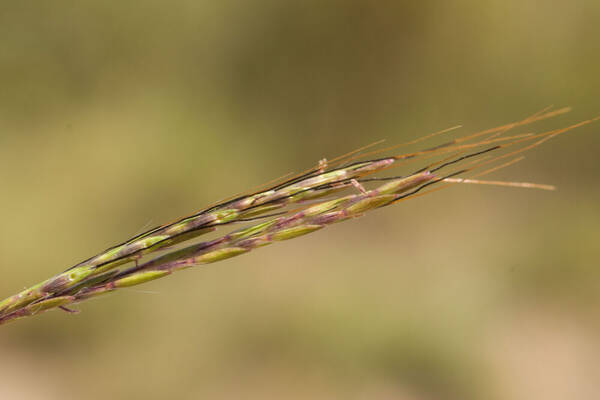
<point>343,188</point>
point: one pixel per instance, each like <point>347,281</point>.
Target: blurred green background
<point>115,116</point>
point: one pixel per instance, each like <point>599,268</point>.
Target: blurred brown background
<point>120,115</point>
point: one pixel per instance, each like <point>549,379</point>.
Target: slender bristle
<point>527,185</point>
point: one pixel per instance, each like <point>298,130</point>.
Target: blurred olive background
<point>116,116</point>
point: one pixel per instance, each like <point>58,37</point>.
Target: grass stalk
<point>324,195</point>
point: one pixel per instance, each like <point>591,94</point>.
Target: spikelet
<point>331,192</point>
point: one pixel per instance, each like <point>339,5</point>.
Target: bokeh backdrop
<point>120,115</point>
